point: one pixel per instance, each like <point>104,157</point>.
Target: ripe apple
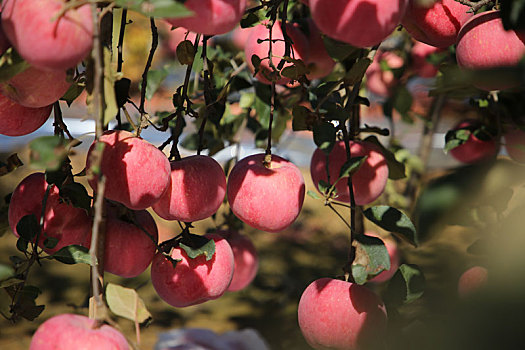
<point>43,40</point>
<point>437,25</point>
<point>261,32</point>
<point>69,331</point>
<point>128,251</point>
<point>17,120</point>
<point>320,64</point>
<point>393,253</point>
<point>137,173</point>
<point>483,43</point>
<point>379,81</point>
<point>193,281</point>
<point>360,23</point>
<point>515,145</point>
<point>266,198</point>
<point>239,37</point>
<point>196,190</point>
<point>36,87</point>
<point>474,149</point>
<point>246,259</point>
<point>68,224</point>
<point>335,314</point>
<point>472,280</point>
<point>419,54</point>
<point>211,16</point>
<point>368,182</point>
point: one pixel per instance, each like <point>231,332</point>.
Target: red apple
<point>368,182</point>
<point>420,52</point>
<point>437,25</point>
<point>193,281</point>
<point>68,224</point>
<point>196,190</point>
<point>320,64</point>
<point>360,23</point>
<point>515,145</point>
<point>68,331</point>
<point>335,314</point>
<point>128,250</point>
<point>266,198</point>
<point>17,120</point>
<point>246,259</point>
<point>483,43</point>
<point>211,16</point>
<point>393,253</point>
<point>261,32</point>
<point>379,81</point>
<point>137,173</point>
<point>472,280</point>
<point>474,149</point>
<point>240,36</point>
<point>35,87</point>
<point>43,40</point>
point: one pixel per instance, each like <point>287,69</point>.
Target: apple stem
<point>268,153</point>
<point>154,44</point>
<point>287,40</point>
<point>120,50</point>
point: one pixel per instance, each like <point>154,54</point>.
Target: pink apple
<point>137,173</point>
<point>368,182</point>
<point>246,259</point>
<point>335,314</point>
<point>69,331</point>
<point>211,16</point>
<point>482,43</point>
<point>474,149</point>
<point>193,281</point>
<point>393,253</point>
<point>196,190</point>
<point>68,224</point>
<point>437,25</point>
<point>17,120</point>
<point>360,23</point>
<point>379,81</point>
<point>266,198</point>
<point>472,280</point>
<point>42,40</point>
<point>419,54</point>
<point>320,64</point>
<point>240,36</point>
<point>35,87</point>
<point>515,145</point>
<point>261,32</point>
<point>128,250</point>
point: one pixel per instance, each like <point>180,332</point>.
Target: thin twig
<point>154,44</point>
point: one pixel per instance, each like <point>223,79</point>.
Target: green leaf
<point>324,136</point>
<point>125,302</point>
<point>156,8</point>
<point>455,138</point>
<point>247,100</point>
<point>350,167</point>
<point>371,253</point>
<point>338,50</point>
<point>185,52</point>
<point>396,169</point>
<point>356,73</point>
<point>26,306</point>
<point>393,220</point>
<point>313,194</point>
<point>47,152</point>
<point>301,118</point>
<point>407,285</point>
<point>10,282</point>
<point>77,195</point>
<point>50,242</point>
<point>155,79</point>
<point>73,92</point>
<point>11,64</point>
<point>73,254</point>
<point>324,186</point>
<point>122,87</point>
<point>28,227</point>
<point>359,273</point>
<point>402,101</point>
<point>513,14</point>
<point>6,272</point>
<point>21,244</point>
<point>249,20</point>
<point>196,245</point>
